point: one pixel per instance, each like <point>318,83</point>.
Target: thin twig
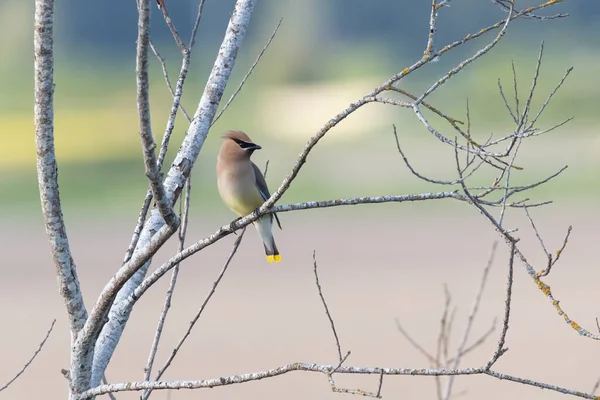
<point>515,88</point>
<point>171,25</point>
<point>239,88</point>
<point>500,349</point>
<point>531,15</point>
<point>28,363</point>
<point>508,172</point>
<point>139,226</point>
<point>111,396</point>
<point>552,261</point>
<point>415,344</point>
<point>547,101</point>
<point>537,234</point>
<point>446,323</point>
<point>523,121</point>
<point>471,319</point>
<point>422,177</point>
<point>163,65</point>
<point>177,93</point>
<point>468,61</point>
<point>596,385</point>
<point>432,30</point>
<point>143,104</point>
<point>196,25</point>
<point>335,335</point>
<point>172,283</point>
<point>481,340</point>
<point>171,357</point>
<point>510,111</point>
<point>427,105</point>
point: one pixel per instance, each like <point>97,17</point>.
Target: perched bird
<point>243,187</point>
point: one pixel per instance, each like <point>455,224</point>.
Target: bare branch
<point>510,240</point>
<point>167,364</point>
<point>324,369</point>
<point>163,65</point>
<point>508,172</point>
<point>470,320</point>
<point>165,12</point>
<point>510,111</point>
<point>432,30</point>
<point>523,121</point>
<point>196,25</point>
<point>28,363</point>
<point>504,7</point>
<point>500,349</point>
<point>175,181</point>
<point>138,226</point>
<point>239,223</point>
<point>427,105</point>
<point>468,61</point>
<point>537,234</point>
<point>515,87</point>
<point>551,260</point>
<point>83,348</point>
<point>416,345</point>
<point>446,323</point>
<point>110,395</point>
<point>547,101</point>
<point>422,177</point>
<point>478,342</point>
<point>359,392</point>
<point>596,385</point>
<point>335,335</point>
<point>239,88</point>
<point>227,229</point>
<point>47,168</point>
<point>143,103</point>
<point>173,282</point>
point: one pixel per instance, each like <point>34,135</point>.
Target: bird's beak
<point>252,147</point>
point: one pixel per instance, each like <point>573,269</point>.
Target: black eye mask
<point>246,145</point>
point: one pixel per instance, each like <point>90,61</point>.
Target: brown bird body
<point>242,186</point>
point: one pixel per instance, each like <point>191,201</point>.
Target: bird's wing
<point>261,185</point>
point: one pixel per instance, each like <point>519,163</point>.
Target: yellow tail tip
<point>275,258</point>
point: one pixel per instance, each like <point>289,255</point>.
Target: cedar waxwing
<point>243,187</point>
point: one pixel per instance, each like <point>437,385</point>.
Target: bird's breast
<point>238,191</point>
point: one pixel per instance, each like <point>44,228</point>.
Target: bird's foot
<point>232,226</point>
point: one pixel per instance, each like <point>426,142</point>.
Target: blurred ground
<point>374,267</point>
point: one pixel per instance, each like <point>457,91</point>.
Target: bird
<point>243,188</point>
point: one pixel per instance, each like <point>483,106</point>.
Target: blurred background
<point>378,262</point>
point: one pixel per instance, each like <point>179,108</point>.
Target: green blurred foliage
<point>96,118</point>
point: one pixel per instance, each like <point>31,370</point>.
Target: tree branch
<point>169,296</point>
<point>176,178</point>
<point>321,368</point>
<point>192,324</point>
<point>143,104</point>
<point>28,363</point>
<point>331,323</point>
<point>245,78</point>
<point>47,168</point>
<point>463,343</point>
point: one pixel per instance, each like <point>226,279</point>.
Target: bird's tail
<point>263,226</point>
<point>272,254</point>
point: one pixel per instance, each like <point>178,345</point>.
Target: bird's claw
<point>232,226</point>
